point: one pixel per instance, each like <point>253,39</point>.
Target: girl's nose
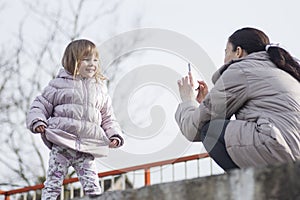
<point>92,63</point>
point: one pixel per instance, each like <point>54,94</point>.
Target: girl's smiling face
<point>88,66</point>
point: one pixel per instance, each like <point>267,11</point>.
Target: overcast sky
<point>208,23</point>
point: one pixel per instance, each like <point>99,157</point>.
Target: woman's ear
<point>240,52</point>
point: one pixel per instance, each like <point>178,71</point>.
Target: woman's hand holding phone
<point>186,88</point>
<point>202,91</point>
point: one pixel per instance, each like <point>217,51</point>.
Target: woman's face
<point>230,54</point>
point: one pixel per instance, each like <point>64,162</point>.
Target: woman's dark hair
<point>253,40</point>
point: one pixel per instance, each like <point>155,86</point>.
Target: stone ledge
<point>280,182</point>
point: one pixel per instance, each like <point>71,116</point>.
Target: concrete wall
<point>281,182</point>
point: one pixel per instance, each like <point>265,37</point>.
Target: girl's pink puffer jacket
<point>78,114</point>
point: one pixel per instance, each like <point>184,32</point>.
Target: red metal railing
<point>145,167</point>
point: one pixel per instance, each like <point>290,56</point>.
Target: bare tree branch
<point>40,157</point>
<point>24,70</point>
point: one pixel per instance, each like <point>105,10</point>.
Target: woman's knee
<point>214,129</point>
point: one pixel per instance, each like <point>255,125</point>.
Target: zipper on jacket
<point>85,110</point>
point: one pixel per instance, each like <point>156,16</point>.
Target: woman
<point>259,84</point>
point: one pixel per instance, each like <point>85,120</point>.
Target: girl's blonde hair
<point>75,52</point>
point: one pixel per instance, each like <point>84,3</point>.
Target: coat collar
<point>261,55</point>
<point>64,74</point>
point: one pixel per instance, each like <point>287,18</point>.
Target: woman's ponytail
<point>283,60</point>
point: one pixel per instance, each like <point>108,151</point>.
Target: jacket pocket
<point>264,128</point>
<point>272,139</point>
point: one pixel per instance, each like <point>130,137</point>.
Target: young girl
<point>75,118</point>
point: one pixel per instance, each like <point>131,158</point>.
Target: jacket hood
<point>64,74</point>
<point>261,55</point>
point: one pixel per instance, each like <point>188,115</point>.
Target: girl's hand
<point>40,129</point>
<point>186,86</point>
<point>113,143</point>
<point>202,91</point>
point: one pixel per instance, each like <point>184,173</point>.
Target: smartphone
<point>189,67</point>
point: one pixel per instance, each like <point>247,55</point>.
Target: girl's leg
<point>58,168</point>
<point>85,168</point>
<point>212,136</point>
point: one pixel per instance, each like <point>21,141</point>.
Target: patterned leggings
<point>60,160</point>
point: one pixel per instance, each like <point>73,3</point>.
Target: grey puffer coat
<point>266,103</point>
<point>77,113</point>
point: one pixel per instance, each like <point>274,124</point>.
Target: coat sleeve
<point>187,117</point>
<point>41,109</point>
<point>223,100</point>
<point>109,123</point>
